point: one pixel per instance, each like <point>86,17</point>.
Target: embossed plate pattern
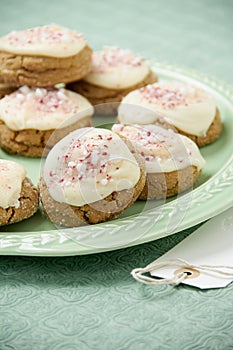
<point>143,222</point>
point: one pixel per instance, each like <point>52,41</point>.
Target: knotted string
<point>178,278</point>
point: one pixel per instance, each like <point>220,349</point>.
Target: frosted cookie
<point>18,197</point>
<point>6,89</point>
<point>30,116</point>
<point>190,110</point>
<point>114,73</point>
<point>90,176</point>
<point>173,161</point>
<point>43,56</point>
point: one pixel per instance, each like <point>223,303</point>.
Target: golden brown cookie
<point>173,161</point>
<point>189,110</point>
<point>35,143</point>
<point>6,89</point>
<point>43,56</point>
<point>114,73</point>
<point>43,71</point>
<point>109,208</point>
<point>91,164</point>
<point>165,185</point>
<point>32,120</point>
<point>19,199</point>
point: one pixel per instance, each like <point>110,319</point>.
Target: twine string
<point>138,273</point>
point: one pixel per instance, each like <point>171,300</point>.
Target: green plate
<point>144,221</point>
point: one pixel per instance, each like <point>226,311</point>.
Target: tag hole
<point>189,271</point>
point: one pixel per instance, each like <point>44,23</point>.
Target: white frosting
<point>43,108</point>
<point>163,150</point>
<point>50,40</point>
<point>117,69</point>
<point>88,165</point>
<point>188,108</point>
<point>11,178</point>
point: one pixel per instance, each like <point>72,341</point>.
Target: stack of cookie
<point>32,62</point>
<point>35,60</point>
<point>91,174</point>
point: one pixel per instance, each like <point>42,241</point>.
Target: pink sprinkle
<point>88,156</point>
<point>51,34</point>
<point>167,97</point>
<point>92,160</point>
<point>43,101</point>
<point>113,57</point>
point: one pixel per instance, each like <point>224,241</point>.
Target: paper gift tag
<point>212,245</point>
<point>204,259</point>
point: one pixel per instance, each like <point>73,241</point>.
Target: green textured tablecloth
<point>92,302</point>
